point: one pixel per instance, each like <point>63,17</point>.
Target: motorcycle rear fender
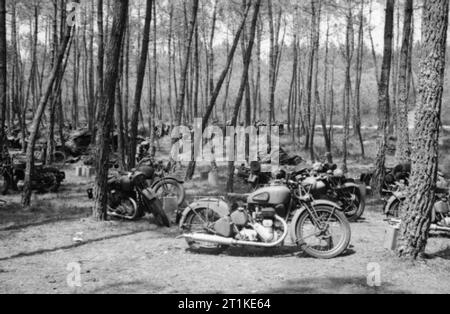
<point>362,188</point>
<point>299,212</point>
<point>396,196</point>
<point>218,206</point>
<point>167,178</point>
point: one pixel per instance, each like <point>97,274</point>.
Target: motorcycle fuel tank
<point>271,195</point>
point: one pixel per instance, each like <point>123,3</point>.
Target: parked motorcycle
<point>267,217</point>
<point>254,176</point>
<point>394,177</point>
<point>129,197</point>
<point>440,218</point>
<point>334,186</point>
<point>43,179</point>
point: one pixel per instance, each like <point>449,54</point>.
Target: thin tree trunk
<point>26,197</point>
<point>403,144</point>
<point>377,181</point>
<point>191,169</point>
<point>243,84</point>
<point>139,85</point>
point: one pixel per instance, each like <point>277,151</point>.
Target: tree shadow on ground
<point>128,287</point>
<point>444,254</point>
<point>272,252</point>
<point>334,285</point>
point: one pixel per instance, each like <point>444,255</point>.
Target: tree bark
<point>243,84</point>
<point>403,143</point>
<point>139,85</point>
<point>417,211</point>
<point>212,102</point>
<point>26,196</point>
<point>383,100</point>
<point>3,72</point>
<point>106,108</point>
<point>185,66</point>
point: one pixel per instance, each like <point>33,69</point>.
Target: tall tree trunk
<point>212,102</point>
<point>54,97</point>
<point>139,85</point>
<point>3,72</point>
<point>243,85</point>
<point>383,102</point>
<point>185,65</point>
<point>347,95</point>
<point>324,107</point>
<point>317,104</point>
<point>359,69</point>
<point>26,196</point>
<point>403,144</point>
<point>101,51</point>
<point>372,44</point>
<point>417,211</point>
<point>113,51</point>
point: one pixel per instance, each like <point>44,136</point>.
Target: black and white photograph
<point>224,152</point>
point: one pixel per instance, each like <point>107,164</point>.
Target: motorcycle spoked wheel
<point>127,209</point>
<point>353,203</point>
<point>5,184</point>
<point>331,240</point>
<point>155,207</point>
<point>196,222</point>
<point>168,188</point>
<point>394,210</point>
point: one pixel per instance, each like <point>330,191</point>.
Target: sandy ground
<point>118,257</point>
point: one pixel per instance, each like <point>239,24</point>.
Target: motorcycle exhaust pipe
<point>437,228</point>
<point>119,216</point>
<point>233,242</point>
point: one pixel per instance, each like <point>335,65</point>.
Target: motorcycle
<point>334,186</point>
<point>160,182</point>
<point>254,176</point>
<point>265,219</point>
<point>129,198</point>
<point>43,179</point>
<point>399,175</point>
<point>440,218</point>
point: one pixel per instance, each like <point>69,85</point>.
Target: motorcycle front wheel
<point>197,221</point>
<point>155,207</point>
<point>325,238</point>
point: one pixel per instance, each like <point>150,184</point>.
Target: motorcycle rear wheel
<point>49,183</point>
<point>355,204</point>
<point>306,231</point>
<point>170,187</point>
<point>195,223</point>
<point>394,209</point>
<point>5,184</point>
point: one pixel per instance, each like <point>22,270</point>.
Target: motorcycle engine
<point>115,199</point>
<point>265,224</point>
